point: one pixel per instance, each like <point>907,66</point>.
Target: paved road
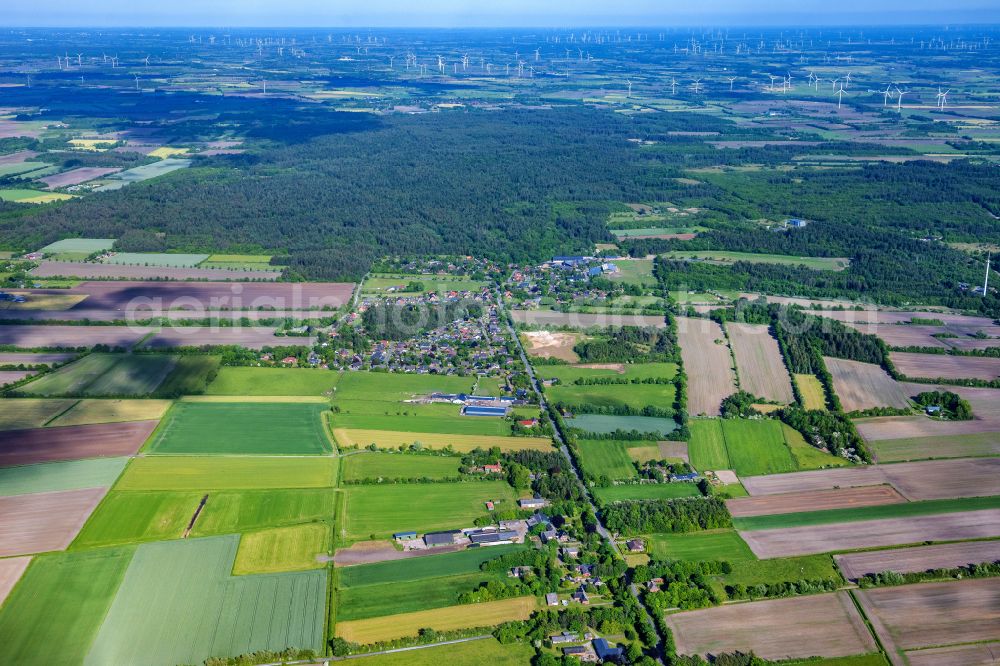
<point>565,451</point>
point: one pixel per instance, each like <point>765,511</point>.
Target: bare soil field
<point>985,404</point>
<point>977,654</point>
<point>674,450</point>
<point>114,271</point>
<point>815,500</point>
<point>369,552</point>
<point>11,376</point>
<point>931,479</point>
<point>864,385</point>
<point>708,365</point>
<point>785,542</point>
<point>892,317</point>
<point>10,572</point>
<point>28,358</point>
<point>922,558</point>
<point>205,296</point>
<point>549,344</point>
<point>933,366</point>
<point>18,157</point>
<point>826,625</point>
<point>76,176</point>
<point>759,363</point>
<point>934,614</point>
<point>41,522</point>
<point>142,314</point>
<point>245,336</point>
<point>24,447</point>
<point>70,337</point>
<point>583,320</point>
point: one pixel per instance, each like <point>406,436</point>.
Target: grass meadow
<point>385,509</point>
<point>753,447</point>
<point>53,614</point>
<point>433,418</point>
<point>646,491</point>
<point>813,396</point>
<point>273,381</point>
<point>228,512</point>
<point>136,517</point>
<point>242,428</point>
<point>598,396</point>
<point>279,549</point>
<point>694,546</point>
<point>368,465</point>
<point>606,423</point>
<point>602,457</point>
<point>179,602</point>
<point>567,374</point>
<point>227,473</point>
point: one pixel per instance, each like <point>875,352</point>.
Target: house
<point>796,223</point>
<point>693,476</point>
<point>441,538</point>
<point>564,637</point>
<point>532,503</point>
<point>528,423</point>
<point>404,536</point>
<point>548,535</point>
<point>571,551</point>
<point>490,505</point>
<point>519,572</point>
<point>493,469</point>
<point>607,653</point>
<point>635,545</point>
<point>580,596</point>
<point>933,409</point>
<point>551,599</point>
<point>537,518</point>
<point>290,360</point>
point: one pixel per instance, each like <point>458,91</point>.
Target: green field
<point>603,457</point>
<point>601,423</point>
<point>813,396</point>
<point>718,256</point>
<point>978,445</point>
<point>367,465</point>
<point>110,410</point>
<point>710,545</point>
<point>53,614</point>
<point>94,375</point>
<point>808,567</point>
<point>567,374</point>
<point>440,418</point>
<point>602,396</point>
<point>156,259</point>
<point>191,376</point>
<point>438,283</point>
<point>62,475</point>
<point>383,510</point>
<point>707,447</point>
<point>748,447</point>
<point>135,517</point>
<point>228,512</point>
<point>903,510</point>
<point>646,491</point>
<point>178,604</point>
<point>418,568</point>
<point>227,473</point>
<point>395,387</point>
<point>242,428</point>
<point>280,549</point>
<point>421,583</point>
<point>807,456</point>
<point>635,271</point>
<point>273,381</point>
<point>16,413</point>
<point>88,245</point>
<point>757,447</point>
<point>487,651</point>
<point>32,196</point>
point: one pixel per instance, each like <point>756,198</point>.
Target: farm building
<point>693,476</point>
<point>532,503</point>
<point>607,653</point>
<point>441,538</point>
<point>564,637</point>
<point>404,536</point>
<point>549,535</point>
<point>489,537</point>
<point>551,599</point>
<point>484,411</point>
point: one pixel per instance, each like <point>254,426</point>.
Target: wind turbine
<point>673,86</point>
<point>732,79</point>
<point>146,61</point>
<point>847,78</point>
<point>770,87</point>
<point>840,96</point>
<point>136,82</point>
<point>391,58</point>
<point>942,98</point>
<point>629,84</point>
<point>886,96</point>
<point>79,59</point>
<point>697,85</point>
<point>899,102</point>
<point>986,282</point>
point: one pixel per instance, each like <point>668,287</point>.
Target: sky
<point>491,13</point>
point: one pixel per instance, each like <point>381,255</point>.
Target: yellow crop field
<point>91,144</point>
<point>812,391</point>
<point>112,411</point>
<point>165,152</point>
<point>462,443</point>
<point>441,619</point>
